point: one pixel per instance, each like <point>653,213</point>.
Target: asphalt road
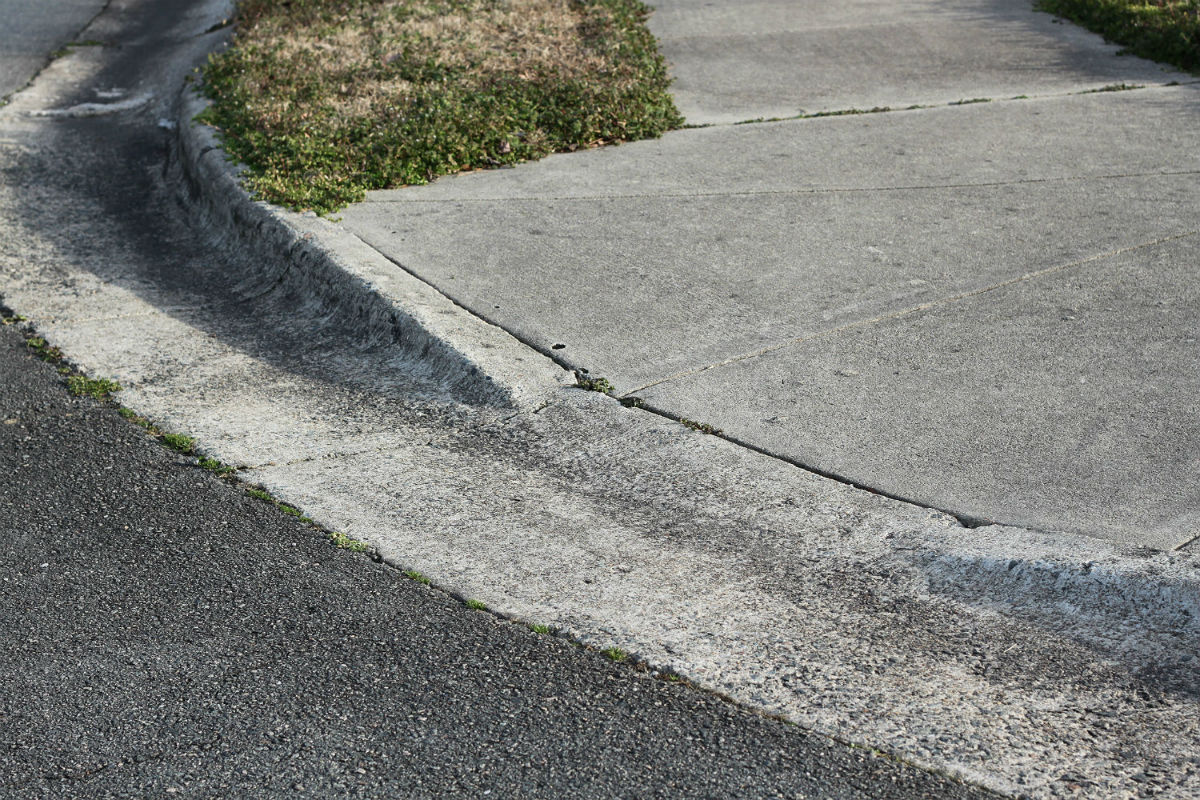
<point>165,632</point>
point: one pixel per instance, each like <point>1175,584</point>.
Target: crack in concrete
<point>891,109</point>
<point>943,301</point>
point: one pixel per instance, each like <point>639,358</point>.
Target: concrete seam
<point>942,301</point>
<point>787,192</point>
<point>900,107</point>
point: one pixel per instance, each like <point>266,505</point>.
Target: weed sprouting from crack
<point>43,350</point>
<point>179,442</point>
<point>841,112</point>
<point>477,605</point>
<point>703,427</point>
<point>216,467</point>
<point>544,630</point>
<point>260,494</point>
<point>593,384</point>
<point>633,402</point>
<point>615,654</point>
<point>78,384</point>
<point>69,47</point>
<point>337,538</point>
<point>97,388</point>
<point>347,543</point>
<point>412,574</point>
<point>970,101</point>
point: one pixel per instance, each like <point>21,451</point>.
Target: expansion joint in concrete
<point>816,190</point>
<point>804,116</point>
<point>940,302</point>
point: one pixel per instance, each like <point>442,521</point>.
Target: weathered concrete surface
<point>1066,401</point>
<point>658,260</point>
<point>32,30</point>
<point>1041,664</point>
<point>735,61</point>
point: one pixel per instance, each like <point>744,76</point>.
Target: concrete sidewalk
<point>984,308</point>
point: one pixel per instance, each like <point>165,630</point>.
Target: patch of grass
<point>703,427</point>
<point>12,320</point>
<point>347,543</point>
<point>477,605</point>
<point>592,384</point>
<point>178,442</point>
<point>615,654</point>
<point>416,576</point>
<point>261,495</point>
<point>326,99</point>
<point>98,388</point>
<point>542,629</point>
<point>1161,30</point>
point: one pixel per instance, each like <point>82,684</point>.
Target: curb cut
<point>374,300</point>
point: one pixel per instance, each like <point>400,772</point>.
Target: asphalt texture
<point>167,633</point>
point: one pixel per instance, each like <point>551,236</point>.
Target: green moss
<point>216,467</point>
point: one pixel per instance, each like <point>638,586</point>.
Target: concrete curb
<point>374,300</point>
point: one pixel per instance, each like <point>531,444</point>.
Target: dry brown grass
<point>526,39</point>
